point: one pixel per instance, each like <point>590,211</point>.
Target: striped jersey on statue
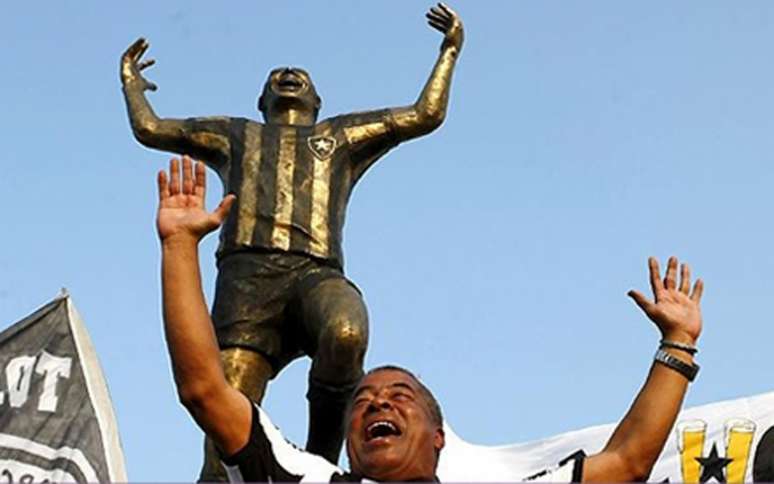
<point>293,182</point>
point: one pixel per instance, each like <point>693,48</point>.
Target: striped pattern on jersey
<point>293,182</point>
<point>269,457</point>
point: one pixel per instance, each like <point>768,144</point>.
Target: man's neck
<point>433,478</point>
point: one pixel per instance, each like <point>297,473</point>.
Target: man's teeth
<point>382,428</point>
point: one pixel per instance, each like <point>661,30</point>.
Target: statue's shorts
<point>281,304</point>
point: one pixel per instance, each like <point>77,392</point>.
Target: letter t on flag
<point>56,418</point>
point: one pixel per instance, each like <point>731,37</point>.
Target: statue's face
<point>289,88</point>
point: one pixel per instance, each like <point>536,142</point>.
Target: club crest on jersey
<point>322,146</point>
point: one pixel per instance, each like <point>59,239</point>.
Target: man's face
<point>289,87</point>
<point>392,435</point>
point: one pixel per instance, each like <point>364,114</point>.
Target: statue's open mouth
<point>290,83</point>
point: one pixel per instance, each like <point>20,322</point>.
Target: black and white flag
<point>56,419</point>
<point>730,441</point>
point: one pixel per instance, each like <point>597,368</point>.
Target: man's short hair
<point>432,403</point>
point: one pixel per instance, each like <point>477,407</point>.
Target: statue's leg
<point>336,325</point>
<point>249,372</point>
<point>251,294</point>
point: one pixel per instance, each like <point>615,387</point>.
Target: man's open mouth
<point>381,429</point>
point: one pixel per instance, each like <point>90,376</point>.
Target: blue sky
<point>494,254</point>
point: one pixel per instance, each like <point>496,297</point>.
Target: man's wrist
<point>688,369</point>
<point>690,349</point>
<point>680,337</point>
<point>178,241</point>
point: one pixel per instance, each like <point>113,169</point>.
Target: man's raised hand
<point>132,65</point>
<point>675,308</point>
<point>181,203</point>
<point>446,21</point>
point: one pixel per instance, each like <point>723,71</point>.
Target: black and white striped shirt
<point>269,457</point>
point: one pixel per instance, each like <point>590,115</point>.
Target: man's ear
<point>439,439</point>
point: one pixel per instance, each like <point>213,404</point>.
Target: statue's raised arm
<point>371,134</point>
<point>203,138</point>
<point>429,111</point>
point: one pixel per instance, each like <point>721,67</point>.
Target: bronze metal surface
<point>292,174</point>
<point>284,205</point>
<point>247,371</point>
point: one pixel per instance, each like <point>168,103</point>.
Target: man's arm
<point>638,440</point>
<point>429,111</point>
<point>221,411</point>
<point>204,138</point>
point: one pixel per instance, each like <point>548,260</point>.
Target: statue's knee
<point>344,340</point>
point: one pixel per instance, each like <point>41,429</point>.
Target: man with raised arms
<point>394,425</point>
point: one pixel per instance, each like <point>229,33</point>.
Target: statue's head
<point>289,96</point>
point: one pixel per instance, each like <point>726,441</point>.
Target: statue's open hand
<point>676,308</point>
<point>446,21</point>
<point>132,65</point>
<point>181,203</point>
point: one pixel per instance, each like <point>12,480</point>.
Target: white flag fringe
<point>716,442</point>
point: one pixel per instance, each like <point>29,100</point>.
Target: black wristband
<point>691,350</point>
<point>688,370</point>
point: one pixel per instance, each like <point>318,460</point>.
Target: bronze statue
<point>281,292</point>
